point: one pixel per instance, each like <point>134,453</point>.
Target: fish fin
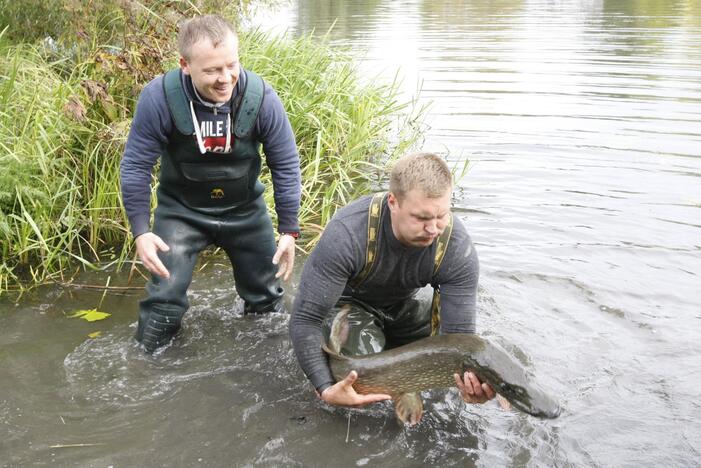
<point>340,328</point>
<point>408,407</point>
<point>333,354</point>
<point>503,402</point>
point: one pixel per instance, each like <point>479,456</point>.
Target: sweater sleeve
<point>334,260</point>
<point>148,137</point>
<point>458,277</point>
<point>280,148</point>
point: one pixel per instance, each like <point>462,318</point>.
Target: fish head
<point>510,379</point>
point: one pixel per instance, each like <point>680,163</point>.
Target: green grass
<point>66,112</point>
<point>34,189</point>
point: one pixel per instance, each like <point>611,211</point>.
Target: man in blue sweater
<point>207,121</point>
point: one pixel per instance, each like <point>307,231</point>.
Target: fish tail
<point>340,329</point>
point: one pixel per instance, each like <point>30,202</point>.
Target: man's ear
<point>184,66</point>
<point>392,202</point>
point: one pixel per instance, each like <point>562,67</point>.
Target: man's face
<point>418,220</point>
<point>214,70</point>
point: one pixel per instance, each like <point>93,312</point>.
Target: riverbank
<point>67,107</point>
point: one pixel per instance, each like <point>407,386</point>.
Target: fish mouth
<point>543,407</point>
<point>545,413</point>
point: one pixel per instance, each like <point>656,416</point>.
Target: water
<point>582,124</point>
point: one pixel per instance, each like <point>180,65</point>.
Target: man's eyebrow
<point>429,215</point>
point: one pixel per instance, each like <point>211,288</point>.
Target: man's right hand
<point>343,394</point>
<point>147,246</point>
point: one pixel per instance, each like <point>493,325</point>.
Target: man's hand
<point>285,256</point>
<point>147,246</point>
<point>472,390</point>
<point>343,394</point>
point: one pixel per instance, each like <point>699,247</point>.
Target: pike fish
<point>430,363</point>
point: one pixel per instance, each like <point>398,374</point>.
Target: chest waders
<point>204,199</point>
<point>371,328</point>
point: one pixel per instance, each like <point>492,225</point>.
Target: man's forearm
<point>148,136</point>
<point>136,195</point>
<point>287,194</point>
<point>317,295</point>
<point>307,338</point>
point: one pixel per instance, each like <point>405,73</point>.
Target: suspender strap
<point>250,105</point>
<point>177,102</point>
<point>374,217</point>
<point>441,248</point>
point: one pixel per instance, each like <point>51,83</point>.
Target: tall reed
<point>44,202</point>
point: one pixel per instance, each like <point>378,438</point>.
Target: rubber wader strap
<point>250,105</point>
<point>441,248</point>
<point>178,103</point>
<point>374,217</point>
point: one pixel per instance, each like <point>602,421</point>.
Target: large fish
<point>430,363</point>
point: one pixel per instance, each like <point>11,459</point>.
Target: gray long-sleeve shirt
<point>398,273</point>
<point>151,130</point>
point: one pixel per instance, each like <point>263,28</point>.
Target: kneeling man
<point>381,256</point>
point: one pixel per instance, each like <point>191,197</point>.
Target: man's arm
<point>147,138</point>
<point>326,272</point>
<point>281,156</point>
<point>458,279</point>
<point>280,148</point>
<point>337,257</point>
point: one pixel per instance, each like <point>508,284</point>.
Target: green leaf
<point>91,315</point>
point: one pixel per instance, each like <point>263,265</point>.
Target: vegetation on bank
<point>68,87</point>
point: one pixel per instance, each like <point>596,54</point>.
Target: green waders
<point>205,199</point>
<point>372,329</point>
<point>246,236</point>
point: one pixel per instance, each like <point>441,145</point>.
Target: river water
<point>581,121</point>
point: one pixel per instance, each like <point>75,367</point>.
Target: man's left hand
<point>472,390</point>
<point>285,256</point>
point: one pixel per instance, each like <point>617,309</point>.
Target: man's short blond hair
<point>212,27</point>
<point>426,172</point>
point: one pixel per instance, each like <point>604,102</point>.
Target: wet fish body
<point>431,362</point>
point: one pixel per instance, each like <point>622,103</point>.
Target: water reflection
<point>321,15</point>
<point>469,15</point>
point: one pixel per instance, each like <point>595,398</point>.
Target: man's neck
<point>207,102</point>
